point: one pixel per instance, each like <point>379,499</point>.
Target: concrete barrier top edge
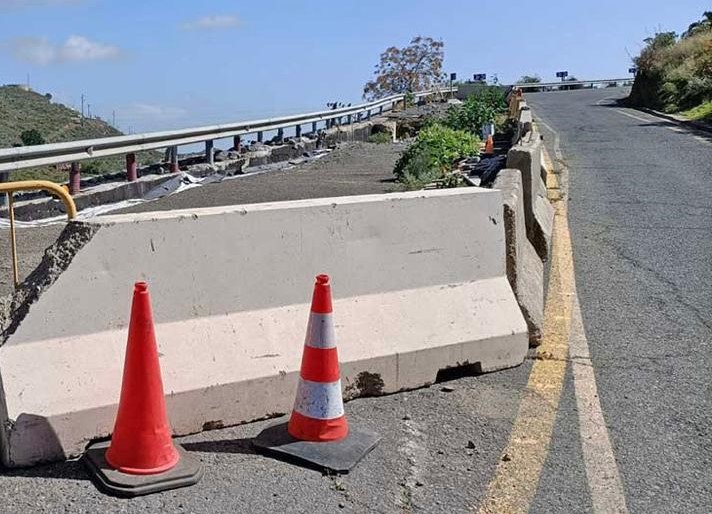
<point>290,204</point>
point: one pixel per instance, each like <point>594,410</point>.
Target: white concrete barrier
<point>538,212</point>
<point>418,280</point>
<point>525,270</point>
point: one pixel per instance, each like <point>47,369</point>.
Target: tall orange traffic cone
<point>141,457</point>
<point>317,433</point>
<point>318,413</point>
<point>489,145</point>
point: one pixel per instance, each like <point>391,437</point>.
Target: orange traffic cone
<point>489,145</point>
<point>141,457</point>
<point>317,433</point>
<point>318,413</point>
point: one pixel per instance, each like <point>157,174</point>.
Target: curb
<point>698,125</point>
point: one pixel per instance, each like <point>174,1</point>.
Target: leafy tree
<point>32,137</point>
<point>704,25</point>
<point>529,79</point>
<point>415,67</point>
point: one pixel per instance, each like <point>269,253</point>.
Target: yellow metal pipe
<point>13,240</point>
<point>42,185</point>
<point>32,185</point>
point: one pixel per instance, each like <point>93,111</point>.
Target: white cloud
<point>36,50</point>
<point>39,50</point>
<point>79,48</point>
<point>212,23</point>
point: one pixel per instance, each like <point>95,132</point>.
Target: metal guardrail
<point>12,159</point>
<point>542,85</point>
<point>31,185</point>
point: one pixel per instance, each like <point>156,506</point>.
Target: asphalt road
<point>640,215</point>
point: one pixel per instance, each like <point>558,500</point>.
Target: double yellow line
<point>516,479</point>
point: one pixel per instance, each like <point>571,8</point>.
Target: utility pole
<point>82,108</point>
<point>113,119</point>
<point>89,111</point>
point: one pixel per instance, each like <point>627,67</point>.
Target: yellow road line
<point>516,479</point>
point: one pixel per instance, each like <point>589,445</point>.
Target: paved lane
<point>640,214</point>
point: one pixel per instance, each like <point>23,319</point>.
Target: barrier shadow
<point>240,445</point>
<point>67,470</point>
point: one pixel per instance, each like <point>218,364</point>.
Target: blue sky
<point>184,63</point>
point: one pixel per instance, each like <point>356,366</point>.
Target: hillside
<point>675,73</point>
<point>22,110</point>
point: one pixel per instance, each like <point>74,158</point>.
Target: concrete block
<point>538,212</point>
<point>525,270</point>
<point>231,289</point>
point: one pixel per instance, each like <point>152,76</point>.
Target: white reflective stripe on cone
<point>319,400</point>
<point>320,331</point>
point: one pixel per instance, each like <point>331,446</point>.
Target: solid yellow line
<point>516,479</point>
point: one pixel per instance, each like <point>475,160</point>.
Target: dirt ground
<point>351,169</point>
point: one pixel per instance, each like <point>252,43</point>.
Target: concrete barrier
<point>525,270</point>
<point>538,212</point>
<point>416,291</point>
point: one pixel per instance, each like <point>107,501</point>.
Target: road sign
<point>453,77</point>
<point>633,70</point>
<point>479,77</point>
<point>562,74</point>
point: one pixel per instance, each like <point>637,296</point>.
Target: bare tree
<point>416,67</point>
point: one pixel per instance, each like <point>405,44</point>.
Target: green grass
<point>700,113</point>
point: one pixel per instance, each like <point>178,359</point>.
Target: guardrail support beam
<point>131,167</point>
<point>280,135</point>
<point>260,136</point>
<point>209,157</point>
<point>314,129</point>
<point>236,143</point>
<point>174,159</point>
<point>75,179</point>
<point>298,131</point>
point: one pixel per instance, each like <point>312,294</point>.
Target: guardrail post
<point>174,159</point>
<point>280,135</point>
<point>209,157</point>
<point>260,136</point>
<point>4,177</point>
<point>368,114</point>
<point>314,127</point>
<point>131,167</point>
<point>236,143</point>
<point>298,131</point>
<point>75,178</point>
<point>349,120</point>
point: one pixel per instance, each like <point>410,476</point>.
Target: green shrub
<point>674,74</point>
<point>381,138</point>
<point>433,153</point>
<point>31,137</point>
<point>478,110</point>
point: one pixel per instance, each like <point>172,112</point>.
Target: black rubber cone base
<point>187,472</point>
<point>338,456</point>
